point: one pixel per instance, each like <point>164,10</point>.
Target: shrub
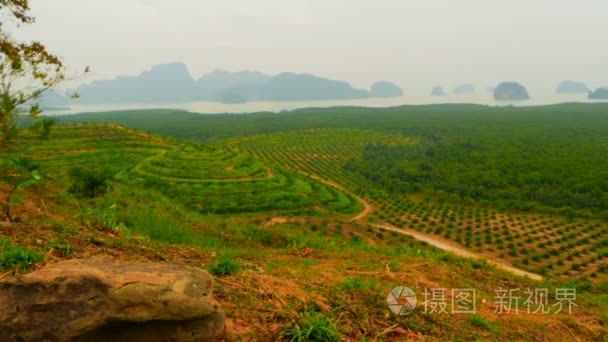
<point>313,327</point>
<point>225,266</point>
<point>271,237</point>
<point>89,184</point>
<point>15,256</point>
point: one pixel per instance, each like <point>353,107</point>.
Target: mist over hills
<point>511,91</point>
<point>385,89</point>
<point>49,99</point>
<point>162,83</point>
<point>53,99</point>
<point>572,87</point>
<point>599,94</point>
<point>464,89</point>
<point>217,81</point>
<point>174,83</point>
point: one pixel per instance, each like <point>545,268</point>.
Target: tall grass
<point>16,256</point>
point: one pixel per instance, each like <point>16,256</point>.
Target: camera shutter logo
<point>401,300</point>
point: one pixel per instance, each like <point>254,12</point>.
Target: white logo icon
<point>401,300</point>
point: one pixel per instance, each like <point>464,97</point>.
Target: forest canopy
<point>528,173</point>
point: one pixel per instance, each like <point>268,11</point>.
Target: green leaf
<point>36,175</point>
<point>15,200</point>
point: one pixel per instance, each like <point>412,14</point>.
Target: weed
<point>312,326</point>
<point>15,256</point>
<point>225,266</point>
<point>63,249</point>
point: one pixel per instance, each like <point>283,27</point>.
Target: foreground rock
<point>97,300</point>
<point>510,91</point>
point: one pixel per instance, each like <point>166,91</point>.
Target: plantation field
<point>547,245</point>
<point>209,179</point>
<point>321,152</point>
<point>550,159</point>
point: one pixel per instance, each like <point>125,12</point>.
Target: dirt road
<point>453,248</point>
<point>431,240</point>
<point>367,208</point>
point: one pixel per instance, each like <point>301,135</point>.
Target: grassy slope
<point>287,263</point>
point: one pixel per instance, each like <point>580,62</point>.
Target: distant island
<point>169,83</point>
<point>385,89</point>
<point>510,91</point>
<point>293,87</point>
<point>464,89</point>
<point>438,91</point>
<point>572,87</point>
<point>599,94</point>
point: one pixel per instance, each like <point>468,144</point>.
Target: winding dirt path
<point>462,252</point>
<point>367,208</point>
<point>429,239</point>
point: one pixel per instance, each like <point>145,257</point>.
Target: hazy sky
<point>415,43</point>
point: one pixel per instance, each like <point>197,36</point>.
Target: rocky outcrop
<point>510,91</point>
<point>385,89</point>
<point>98,300</point>
<point>572,87</point>
<point>599,94</point>
<point>438,91</point>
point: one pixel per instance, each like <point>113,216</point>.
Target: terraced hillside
<point>548,245</point>
<point>321,152</point>
<point>110,147</point>
<point>214,180</point>
<point>210,179</point>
